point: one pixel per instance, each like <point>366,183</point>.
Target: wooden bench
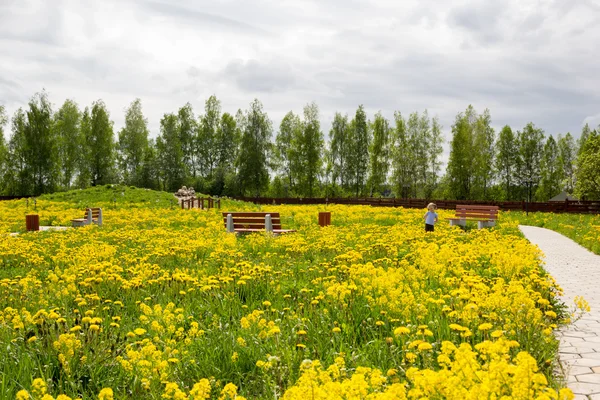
<point>92,215</point>
<point>485,216</point>
<point>247,222</point>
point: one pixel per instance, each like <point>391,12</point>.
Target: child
<point>431,217</point>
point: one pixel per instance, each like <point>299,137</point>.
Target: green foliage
<point>101,145</point>
<point>358,160</point>
<point>460,165</point>
<point>380,154</point>
<point>67,128</point>
<point>506,160</point>
<point>287,152</point>
<point>566,162</point>
<point>109,195</point>
<point>550,172</point>
<point>254,154</point>
<point>187,132</point>
<point>310,151</point>
<point>472,152</point>
<point>207,140</point>
<point>402,158</point>
<point>588,175</point>
<point>483,156</point>
<point>339,138</point>
<point>531,147</point>
<point>582,228</point>
<point>133,144</point>
<point>41,145</point>
<point>170,156</point>
<point>3,149</point>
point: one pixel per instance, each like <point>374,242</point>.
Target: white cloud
<point>524,60</point>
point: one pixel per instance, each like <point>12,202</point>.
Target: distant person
<point>431,217</point>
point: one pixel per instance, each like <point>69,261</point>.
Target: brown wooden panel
<point>476,207</point>
<point>253,226</point>
<point>237,220</point>
<point>476,215</point>
<point>251,214</point>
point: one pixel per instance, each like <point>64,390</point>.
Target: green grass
<point>582,228</point>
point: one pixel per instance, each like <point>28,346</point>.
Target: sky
<point>526,61</point>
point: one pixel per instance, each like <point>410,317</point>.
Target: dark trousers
<point>428,228</point>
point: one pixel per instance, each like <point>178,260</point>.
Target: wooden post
<point>32,222</point>
<point>324,218</point>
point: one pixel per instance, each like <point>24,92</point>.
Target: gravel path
<point>577,271</point>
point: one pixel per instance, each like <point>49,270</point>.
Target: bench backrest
<point>252,220</point>
<point>95,213</point>
<point>474,211</point>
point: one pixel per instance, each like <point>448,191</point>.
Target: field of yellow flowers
<point>162,303</point>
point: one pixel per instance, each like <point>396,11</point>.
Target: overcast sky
<point>524,60</point>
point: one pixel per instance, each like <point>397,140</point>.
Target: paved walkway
<point>47,228</point>
<point>577,271</point>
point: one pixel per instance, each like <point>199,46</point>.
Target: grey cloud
<point>481,19</point>
<point>256,76</point>
<point>194,16</point>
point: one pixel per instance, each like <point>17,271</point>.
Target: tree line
<point>225,154</point>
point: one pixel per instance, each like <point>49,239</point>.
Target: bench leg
<point>268,223</point>
<point>460,222</point>
<point>230,223</point>
<point>485,224</point>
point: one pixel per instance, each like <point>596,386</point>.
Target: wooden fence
<point>567,206</point>
<point>198,202</point>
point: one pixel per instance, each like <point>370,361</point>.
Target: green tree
<point>550,171</point>
<point>207,136</point>
<point>169,152</point>
<point>188,132</point>
<point>19,179</point>
<point>585,133</point>
<point>434,152</point>
<point>150,175</point>
<point>67,127</point>
<point>419,131</point>
<point>287,152</point>
<point>587,186</point>
<point>380,154</point>
<point>507,150</point>
<point>461,162</point>
<point>133,144</point>
<point>101,143</point>
<point>483,156</point>
<point>359,150</point>
<point>339,139</point>
<point>84,161</point>
<point>531,146</point>
<point>3,151</point>
<point>402,158</point>
<point>566,162</point>
<point>310,148</point>
<point>41,150</point>
<point>252,162</point>
<point>227,147</point>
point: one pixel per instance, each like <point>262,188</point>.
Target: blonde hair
<point>431,206</point>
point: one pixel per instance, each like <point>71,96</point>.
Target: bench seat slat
<point>251,214</point>
<point>458,207</point>
<point>475,216</point>
<point>253,226</point>
<point>253,220</point>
